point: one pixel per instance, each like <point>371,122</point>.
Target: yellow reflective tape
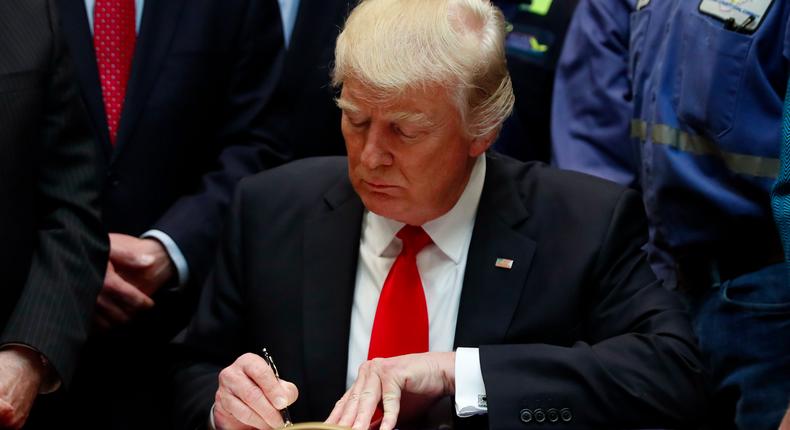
<point>638,129</point>
<point>752,165</point>
<point>683,141</point>
<point>538,7</point>
<point>536,45</point>
<point>662,134</point>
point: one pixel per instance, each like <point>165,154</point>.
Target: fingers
<point>368,399</point>
<point>118,301</point>
<point>260,372</point>
<point>123,293</point>
<point>352,403</point>
<point>8,416</point>
<point>391,403</point>
<point>225,421</point>
<point>127,251</point>
<point>334,416</point>
<point>422,377</point>
<point>109,312</point>
<point>358,405</point>
<point>238,410</point>
<point>252,394</point>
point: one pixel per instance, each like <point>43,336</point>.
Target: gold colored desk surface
<point>314,426</point>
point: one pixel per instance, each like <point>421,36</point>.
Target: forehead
<point>430,101</point>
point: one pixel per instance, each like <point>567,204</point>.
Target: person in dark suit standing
<point>176,91</point>
<point>305,92</point>
<point>420,267</point>
<point>54,248</point>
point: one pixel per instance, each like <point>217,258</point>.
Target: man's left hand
<point>406,386</point>
<point>143,263</point>
<point>21,373</point>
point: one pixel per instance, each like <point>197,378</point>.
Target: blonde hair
<point>392,46</point>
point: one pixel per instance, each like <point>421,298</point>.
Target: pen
<point>284,411</point>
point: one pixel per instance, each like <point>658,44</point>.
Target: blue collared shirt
<point>288,11</point>
<point>138,13</point>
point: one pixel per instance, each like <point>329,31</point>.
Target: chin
<point>383,205</point>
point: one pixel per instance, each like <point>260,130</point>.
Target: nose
<point>375,152</point>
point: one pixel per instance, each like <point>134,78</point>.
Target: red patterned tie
<point>114,38</point>
<point>401,323</point>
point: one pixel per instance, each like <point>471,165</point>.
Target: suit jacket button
<point>553,415</point>
<point>540,416</point>
<point>566,415</point>
<point>526,415</point>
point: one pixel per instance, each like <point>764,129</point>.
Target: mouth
<point>379,186</point>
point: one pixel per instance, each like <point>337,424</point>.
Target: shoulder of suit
<point>538,184</point>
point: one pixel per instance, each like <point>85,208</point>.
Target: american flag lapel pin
<point>504,263</point>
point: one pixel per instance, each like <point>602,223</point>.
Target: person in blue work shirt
<point>683,100</point>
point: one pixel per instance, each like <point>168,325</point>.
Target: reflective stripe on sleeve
<point>745,164</point>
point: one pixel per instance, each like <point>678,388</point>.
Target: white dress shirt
<point>442,265</point>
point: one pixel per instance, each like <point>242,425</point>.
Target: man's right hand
<point>21,373</point>
<point>250,396</point>
<point>118,300</point>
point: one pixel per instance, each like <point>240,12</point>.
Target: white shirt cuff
<point>470,390</point>
<point>211,425</point>
<point>182,268</point>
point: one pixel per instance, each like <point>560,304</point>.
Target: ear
<point>481,144</point>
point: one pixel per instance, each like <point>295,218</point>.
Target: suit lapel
<point>331,251</point>
<point>159,22</point>
<point>490,294</point>
<point>80,41</point>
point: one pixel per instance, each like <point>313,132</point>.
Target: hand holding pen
<point>284,411</point>
<point>250,394</point>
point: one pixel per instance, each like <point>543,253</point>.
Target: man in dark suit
<point>304,91</point>
<point>176,91</point>
<point>54,248</point>
<point>420,268</point>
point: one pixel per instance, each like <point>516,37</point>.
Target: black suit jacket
<point>579,322</point>
<point>53,248</point>
<point>192,122</point>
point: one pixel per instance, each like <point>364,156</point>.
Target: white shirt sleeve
<point>176,256</point>
<point>470,390</point>
<point>211,425</point>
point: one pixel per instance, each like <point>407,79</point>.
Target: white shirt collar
<point>450,232</point>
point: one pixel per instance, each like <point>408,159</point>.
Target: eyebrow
<point>346,105</point>
<point>418,119</point>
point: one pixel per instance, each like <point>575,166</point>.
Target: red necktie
<point>401,323</point>
<point>114,38</point>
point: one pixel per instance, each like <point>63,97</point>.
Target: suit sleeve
<point>195,220</point>
<point>636,364</point>
<point>212,340</point>
<point>591,105</point>
<point>54,311</point>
